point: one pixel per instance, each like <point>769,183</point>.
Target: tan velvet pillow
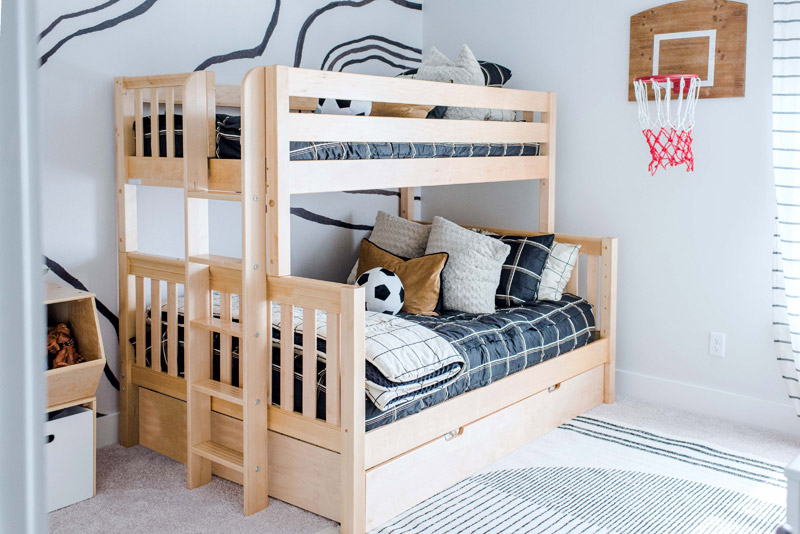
<point>421,277</point>
<point>388,109</point>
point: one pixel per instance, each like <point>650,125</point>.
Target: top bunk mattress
<point>228,138</point>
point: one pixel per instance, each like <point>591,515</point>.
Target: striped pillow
<point>557,270</point>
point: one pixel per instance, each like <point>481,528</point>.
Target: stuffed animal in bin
<point>61,347</point>
<point>384,290</point>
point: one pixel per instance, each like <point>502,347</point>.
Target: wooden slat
<point>155,324</point>
<point>407,203</point>
<point>225,363</point>
<point>154,126</point>
<point>316,83</point>
<point>172,328</point>
<point>225,174</point>
<point>354,175</point>
<point>169,110</point>
<point>231,96</point>
<point>141,325</point>
<point>287,357</point>
<point>608,313</point>
<point>592,264</point>
<point>305,292</point>
<point>315,126</point>
<point>161,382</point>
<point>547,188</point>
<point>215,260</point>
<point>212,324</point>
<point>219,390</point>
<point>158,80</point>
<point>220,454</point>
<point>215,195</point>
<point>574,279</point>
<point>158,267</point>
<point>138,116</point>
<point>225,279</point>
<point>332,370</point>
<point>310,362</point>
<point>161,172</point>
<point>278,171</point>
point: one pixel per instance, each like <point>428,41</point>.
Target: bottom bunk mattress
<point>414,362</point>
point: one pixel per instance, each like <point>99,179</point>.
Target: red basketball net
<point>667,123</point>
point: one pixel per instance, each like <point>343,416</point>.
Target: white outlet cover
<point>716,344</point>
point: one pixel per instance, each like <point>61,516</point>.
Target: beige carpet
<point>140,491</point>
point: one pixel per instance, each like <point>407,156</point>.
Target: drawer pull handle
<point>453,434</point>
<point>552,389</point>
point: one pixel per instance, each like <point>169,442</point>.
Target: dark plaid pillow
<point>522,270</point>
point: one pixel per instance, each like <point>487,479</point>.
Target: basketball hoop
<point>669,133</point>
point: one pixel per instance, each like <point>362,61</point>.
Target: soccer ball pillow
<point>332,106</point>
<point>384,290</point>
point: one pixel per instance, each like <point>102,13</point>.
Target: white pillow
<point>557,270</point>
<point>436,67</point>
<point>472,273</point>
<point>399,236</point>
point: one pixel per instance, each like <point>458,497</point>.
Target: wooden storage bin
<point>77,309</point>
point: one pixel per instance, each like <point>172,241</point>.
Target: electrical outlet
<point>716,344</point>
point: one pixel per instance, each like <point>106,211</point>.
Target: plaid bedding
<point>228,137</point>
<point>491,346</point>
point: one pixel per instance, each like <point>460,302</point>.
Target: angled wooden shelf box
<point>67,385</point>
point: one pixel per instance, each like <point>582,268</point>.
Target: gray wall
<point>695,249</point>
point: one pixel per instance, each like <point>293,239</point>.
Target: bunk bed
<point>213,411</point>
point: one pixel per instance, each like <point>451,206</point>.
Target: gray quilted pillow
<point>472,273</point>
<point>399,236</point>
<point>436,67</point>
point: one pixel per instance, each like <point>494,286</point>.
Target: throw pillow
<point>557,270</point>
<point>472,274</point>
<point>421,277</point>
<point>399,236</point>
<point>436,67</point>
<point>522,269</point>
<point>494,74</point>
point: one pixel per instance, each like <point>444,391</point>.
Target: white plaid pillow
<point>557,270</point>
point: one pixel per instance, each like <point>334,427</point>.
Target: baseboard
<point>713,402</point>
<point>108,430</point>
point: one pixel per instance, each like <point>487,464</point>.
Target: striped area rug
<point>597,476</point>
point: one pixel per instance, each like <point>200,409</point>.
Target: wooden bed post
<point>279,246</point>
<point>547,190</point>
<point>127,242</point>
<point>254,343</point>
<point>354,491</point>
<point>407,203</point>
<point>608,315</point>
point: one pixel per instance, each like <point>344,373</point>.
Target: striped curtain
<point>786,161</point>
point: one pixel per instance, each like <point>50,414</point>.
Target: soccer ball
<point>384,290</point>
<point>332,106</point>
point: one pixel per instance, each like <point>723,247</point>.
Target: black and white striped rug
<point>596,476</point>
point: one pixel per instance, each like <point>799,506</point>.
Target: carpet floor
<point>140,491</point>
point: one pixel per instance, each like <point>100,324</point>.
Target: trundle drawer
<point>401,483</point>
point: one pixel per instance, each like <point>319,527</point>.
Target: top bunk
<point>326,152</point>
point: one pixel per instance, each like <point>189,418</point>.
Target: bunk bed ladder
<point>207,274</point>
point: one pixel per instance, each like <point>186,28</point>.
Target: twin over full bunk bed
<point>205,378</point>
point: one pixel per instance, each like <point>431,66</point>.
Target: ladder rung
<point>212,324</point>
<point>220,454</point>
<point>217,261</point>
<point>216,195</point>
<point>219,390</point>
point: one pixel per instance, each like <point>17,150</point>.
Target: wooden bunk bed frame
<point>331,467</point>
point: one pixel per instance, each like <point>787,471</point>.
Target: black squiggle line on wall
<point>366,47</point>
<point>133,13</point>
<point>371,58</point>
<point>56,22</point>
<point>382,39</point>
<point>301,38</point>
<point>62,273</point>
<point>254,52</point>
<point>321,219</point>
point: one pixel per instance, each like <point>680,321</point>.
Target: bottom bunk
<point>481,429</point>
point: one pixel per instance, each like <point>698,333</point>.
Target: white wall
<point>695,249</point>
<point>76,107</point>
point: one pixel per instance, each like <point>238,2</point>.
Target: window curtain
<point>786,162</point>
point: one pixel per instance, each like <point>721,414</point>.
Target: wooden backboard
<point>704,37</point>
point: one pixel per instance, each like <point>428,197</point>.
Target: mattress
<point>228,137</point>
<point>493,346</point>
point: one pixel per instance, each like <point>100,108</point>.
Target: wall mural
<point>84,44</point>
